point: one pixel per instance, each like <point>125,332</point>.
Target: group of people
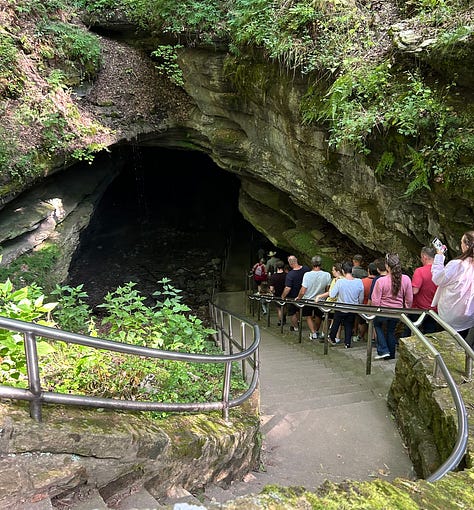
<point>445,288</point>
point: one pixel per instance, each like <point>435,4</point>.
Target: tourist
<point>336,272</point>
<point>381,271</point>
<point>357,270</point>
<point>348,290</point>
<point>293,282</point>
<point>454,296</point>
<point>361,325</point>
<point>423,291</point>
<point>270,266</point>
<point>314,282</point>
<point>277,284</point>
<point>264,290</point>
<point>259,274</point>
<point>393,290</point>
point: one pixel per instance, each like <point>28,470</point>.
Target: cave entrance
<point>168,213</point>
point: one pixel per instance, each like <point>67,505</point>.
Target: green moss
<point>252,78</point>
<point>33,267</point>
<point>305,246</point>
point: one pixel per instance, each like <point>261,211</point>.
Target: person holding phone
<point>455,294</point>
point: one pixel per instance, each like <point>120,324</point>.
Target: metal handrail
<point>234,350</point>
<point>369,313</point>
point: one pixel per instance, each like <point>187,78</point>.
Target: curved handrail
<point>369,313</point>
<point>247,355</point>
<point>460,445</point>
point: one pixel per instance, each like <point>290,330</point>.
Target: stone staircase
<point>322,418</point>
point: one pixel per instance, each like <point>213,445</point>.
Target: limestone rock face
<point>267,142</point>
<point>301,195</point>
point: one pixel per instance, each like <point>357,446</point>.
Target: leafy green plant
<point>25,305</point>
<point>168,63</point>
<point>37,7</point>
<point>11,80</point>
<point>73,313</point>
<point>83,370</point>
<point>79,48</point>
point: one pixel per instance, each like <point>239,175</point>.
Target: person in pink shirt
<point>395,291</point>
<point>455,294</point>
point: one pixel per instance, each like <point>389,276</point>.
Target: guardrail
<point>243,348</point>
<point>369,313</point>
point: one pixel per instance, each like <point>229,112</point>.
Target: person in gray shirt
<point>314,282</point>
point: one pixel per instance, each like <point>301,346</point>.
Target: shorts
<point>309,311</point>
<point>292,309</point>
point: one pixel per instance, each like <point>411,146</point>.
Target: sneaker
<point>382,356</point>
<point>314,336</point>
<point>279,323</point>
<point>356,338</point>
<point>347,346</point>
<point>334,342</point>
<point>292,328</point>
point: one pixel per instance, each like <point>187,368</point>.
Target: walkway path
<point>322,417</point>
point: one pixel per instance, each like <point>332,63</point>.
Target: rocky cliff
<point>302,195</point>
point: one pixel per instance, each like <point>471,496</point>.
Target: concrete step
<point>314,383</point>
<point>278,398</point>
<point>331,400</point>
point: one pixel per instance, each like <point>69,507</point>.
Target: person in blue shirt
<point>347,290</point>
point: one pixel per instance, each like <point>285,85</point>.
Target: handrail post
<point>230,334</point>
<point>221,329</point>
<point>243,342</point>
<point>370,335</point>
<point>283,317</point>
<point>226,391</point>
<point>468,363</point>
<point>437,374</point>
<point>34,382</point>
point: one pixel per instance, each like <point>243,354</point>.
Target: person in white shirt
<point>455,294</point>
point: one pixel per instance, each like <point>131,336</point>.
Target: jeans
<point>347,320</point>
<point>386,340</point>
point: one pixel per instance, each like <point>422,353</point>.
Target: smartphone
<point>438,245</point>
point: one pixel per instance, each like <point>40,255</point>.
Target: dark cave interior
<point>168,209</point>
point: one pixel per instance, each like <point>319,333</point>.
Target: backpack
<point>259,272</point>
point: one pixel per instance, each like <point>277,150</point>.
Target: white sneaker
<point>314,336</point>
<point>356,338</point>
<point>382,356</point>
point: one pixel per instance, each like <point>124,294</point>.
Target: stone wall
<point>423,405</point>
<point>77,449</point>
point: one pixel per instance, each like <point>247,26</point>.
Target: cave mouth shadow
<point>169,213</point>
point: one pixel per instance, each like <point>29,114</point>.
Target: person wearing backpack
<point>259,273</point>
